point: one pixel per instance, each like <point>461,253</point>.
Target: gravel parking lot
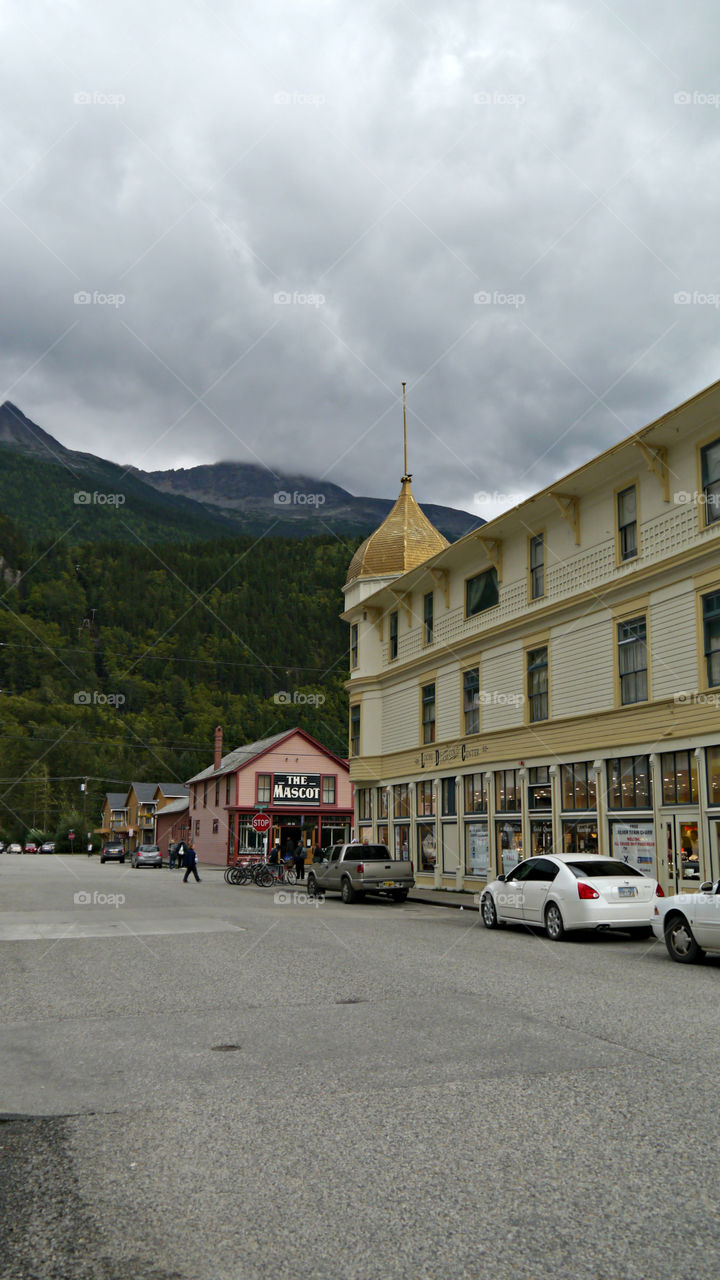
<point>206,1083</point>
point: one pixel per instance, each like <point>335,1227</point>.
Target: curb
<point>452,901</point>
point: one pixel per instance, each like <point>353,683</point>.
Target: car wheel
<point>680,942</point>
<point>554,926</point>
<point>400,895</point>
<point>489,913</point>
<point>312,887</point>
<point>102,860</point>
<point>122,859</point>
<point>347,893</point>
<point>640,931</point>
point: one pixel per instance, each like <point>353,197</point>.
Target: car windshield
<point>603,867</point>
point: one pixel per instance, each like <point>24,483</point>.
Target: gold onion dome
<point>405,539</point>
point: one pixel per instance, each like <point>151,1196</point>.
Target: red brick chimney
<point>218,746</point>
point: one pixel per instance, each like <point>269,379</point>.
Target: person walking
<point>171,855</point>
<point>190,863</point>
<point>299,860</point>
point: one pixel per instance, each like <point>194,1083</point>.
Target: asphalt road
<point>202,1082</point>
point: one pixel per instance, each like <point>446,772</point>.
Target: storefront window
<point>383,834</point>
<point>580,837</point>
<point>249,841</point>
<point>509,842</point>
<point>382,802</point>
<point>426,846</point>
<point>541,838</point>
<point>578,787</point>
<point>364,803</point>
<point>539,789</point>
<point>401,800</point>
<point>449,805</point>
<point>634,843</point>
<point>402,840</point>
<point>713,774</point>
<point>474,794</point>
<point>629,782</point>
<point>679,778</point>
<point>425,799</point>
<point>477,849</point>
<point>508,791</point>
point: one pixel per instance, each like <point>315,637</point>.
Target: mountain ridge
<point>209,500</point>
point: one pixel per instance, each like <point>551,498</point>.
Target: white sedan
<point>689,923</point>
<point>565,891</point>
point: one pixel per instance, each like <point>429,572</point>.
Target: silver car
<point>148,855</point>
<point>564,891</point>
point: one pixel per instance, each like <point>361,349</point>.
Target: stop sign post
<point>261,822</point>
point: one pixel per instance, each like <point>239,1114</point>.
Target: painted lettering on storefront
<point>289,788</point>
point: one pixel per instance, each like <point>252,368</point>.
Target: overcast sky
<point>282,209</point>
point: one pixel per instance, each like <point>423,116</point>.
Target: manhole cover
<point>225,1048</point>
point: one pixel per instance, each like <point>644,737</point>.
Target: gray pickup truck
<point>352,870</point>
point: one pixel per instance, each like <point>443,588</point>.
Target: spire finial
<point>405,473</point>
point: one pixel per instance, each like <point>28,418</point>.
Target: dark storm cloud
<point>230,231</point>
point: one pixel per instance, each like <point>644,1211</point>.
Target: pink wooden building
<point>304,788</point>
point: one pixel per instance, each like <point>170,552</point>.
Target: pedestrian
<point>171,856</point>
<point>299,859</point>
<point>190,863</point>
<point>274,858</point>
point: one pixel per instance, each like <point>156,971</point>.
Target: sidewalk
<point>444,898</point>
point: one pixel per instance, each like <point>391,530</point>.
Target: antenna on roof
<point>405,473</point>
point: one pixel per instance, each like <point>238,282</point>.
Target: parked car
<point>148,855</point>
<point>564,891</point>
<point>14,848</point>
<point>689,923</point>
<point>352,870</point>
<point>48,847</point>
<point>31,847</point>
<point>113,851</point>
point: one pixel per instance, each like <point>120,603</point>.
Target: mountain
<point>49,490</point>
<point>252,495</point>
<point>53,492</point>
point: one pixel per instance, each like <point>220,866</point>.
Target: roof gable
<point>241,757</point>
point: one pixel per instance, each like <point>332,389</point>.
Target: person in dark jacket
<point>274,859</point>
<point>299,860</point>
<point>190,863</point>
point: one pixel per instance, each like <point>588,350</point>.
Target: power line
<point>158,657</point>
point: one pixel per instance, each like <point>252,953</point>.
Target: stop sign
<point>261,822</point>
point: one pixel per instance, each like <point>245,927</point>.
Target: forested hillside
<point>116,663</point>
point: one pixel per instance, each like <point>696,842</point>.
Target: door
<point>535,889</point>
<point>704,916</point>
<point>686,862</point>
<point>509,895</point>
